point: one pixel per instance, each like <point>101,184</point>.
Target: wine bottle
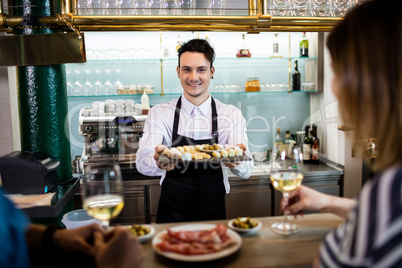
<point>278,139</point>
<point>315,146</point>
<point>296,78</point>
<point>307,146</point>
<point>243,50</point>
<point>304,46</point>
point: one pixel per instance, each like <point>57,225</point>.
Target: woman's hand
<point>118,248</point>
<point>306,198</point>
<point>166,166</point>
<point>76,240</point>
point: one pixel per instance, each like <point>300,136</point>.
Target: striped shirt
<point>372,234</point>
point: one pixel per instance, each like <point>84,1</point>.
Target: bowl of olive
<point>244,225</point>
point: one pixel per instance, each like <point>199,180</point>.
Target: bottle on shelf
<point>278,140</point>
<point>304,46</point>
<point>289,144</point>
<point>276,47</point>
<point>243,51</point>
<point>145,103</point>
<point>315,146</point>
<point>307,145</point>
<point>296,78</point>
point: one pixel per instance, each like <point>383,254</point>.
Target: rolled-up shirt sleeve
<point>153,135</point>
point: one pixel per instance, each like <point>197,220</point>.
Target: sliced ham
<point>195,242</point>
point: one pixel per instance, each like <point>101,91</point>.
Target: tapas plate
<point>197,258</point>
<point>163,159</point>
<point>244,230</point>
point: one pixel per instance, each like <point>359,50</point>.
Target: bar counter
<point>264,248</point>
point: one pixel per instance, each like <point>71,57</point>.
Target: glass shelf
<point>178,94</point>
<point>216,59</point>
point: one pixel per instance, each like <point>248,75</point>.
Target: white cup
<point>110,106</point>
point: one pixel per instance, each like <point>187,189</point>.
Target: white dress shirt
<point>196,123</point>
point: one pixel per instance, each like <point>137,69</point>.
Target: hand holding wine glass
<point>286,176</point>
<point>103,192</point>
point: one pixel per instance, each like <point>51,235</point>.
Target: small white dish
<point>143,238</point>
<point>244,230</point>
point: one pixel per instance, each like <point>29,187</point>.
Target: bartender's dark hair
<point>198,45</point>
<point>367,61</point>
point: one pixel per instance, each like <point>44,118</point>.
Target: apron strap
<point>214,134</point>
<point>176,121</point>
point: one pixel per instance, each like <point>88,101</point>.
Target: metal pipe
<point>65,7</point>
<point>166,20</point>
<point>252,7</point>
<point>262,7</point>
<point>258,23</point>
<point>304,21</point>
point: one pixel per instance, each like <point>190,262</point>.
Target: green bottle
<point>304,46</point>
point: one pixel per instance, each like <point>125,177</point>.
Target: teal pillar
<point>42,93</point>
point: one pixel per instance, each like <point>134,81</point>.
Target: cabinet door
<point>133,211</point>
<point>248,203</point>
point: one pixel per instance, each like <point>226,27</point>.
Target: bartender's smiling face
<point>195,73</point>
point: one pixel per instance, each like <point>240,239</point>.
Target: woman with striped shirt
<point>366,52</point>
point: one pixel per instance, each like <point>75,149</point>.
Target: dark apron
<point>192,191</point>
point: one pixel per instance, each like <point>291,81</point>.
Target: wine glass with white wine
<point>102,192</point>
<point>286,176</point>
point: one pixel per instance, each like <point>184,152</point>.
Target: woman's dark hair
<point>198,45</point>
<point>366,53</point>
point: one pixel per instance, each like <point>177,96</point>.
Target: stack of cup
<point>110,106</point>
<point>98,108</point>
<point>120,106</point>
<point>130,109</point>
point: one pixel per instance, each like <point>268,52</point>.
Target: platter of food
<point>203,153</point>
<point>196,242</point>
<point>143,232</point>
<point>244,225</point>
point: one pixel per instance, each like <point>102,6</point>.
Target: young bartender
<point>193,192</point>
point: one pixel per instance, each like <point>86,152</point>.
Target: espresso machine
<point>110,136</point>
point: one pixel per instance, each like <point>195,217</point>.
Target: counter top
<point>261,171</point>
<point>264,248</point>
<point>63,195</point>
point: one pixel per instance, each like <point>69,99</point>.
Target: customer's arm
<point>306,198</point>
<point>66,240</point>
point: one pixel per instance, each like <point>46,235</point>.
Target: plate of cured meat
<point>196,242</point>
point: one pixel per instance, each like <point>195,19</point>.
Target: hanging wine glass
<point>340,7</point>
<point>320,7</point>
<point>282,6</point>
<point>300,7</point>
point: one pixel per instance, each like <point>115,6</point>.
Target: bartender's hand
<point>118,248</point>
<point>235,164</point>
<point>166,166</point>
<point>76,240</point>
